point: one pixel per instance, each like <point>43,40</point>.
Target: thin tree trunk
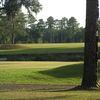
<point>13,34</point>
<point>90,51</point>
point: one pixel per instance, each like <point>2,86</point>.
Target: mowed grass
<point>46,48</point>
<point>41,48</point>
<point>40,72</point>
<point>50,95</point>
<point>44,73</point>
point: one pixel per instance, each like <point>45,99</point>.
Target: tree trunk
<point>13,28</point>
<point>13,34</point>
<point>90,51</point>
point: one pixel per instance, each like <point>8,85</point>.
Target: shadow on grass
<point>69,71</point>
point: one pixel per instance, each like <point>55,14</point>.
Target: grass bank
<point>41,48</point>
<point>40,72</point>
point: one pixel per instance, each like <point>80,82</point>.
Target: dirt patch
<point>10,46</point>
<point>34,86</point>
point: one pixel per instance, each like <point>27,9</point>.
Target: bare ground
<point>34,86</point>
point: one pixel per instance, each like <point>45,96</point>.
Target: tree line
<point>56,30</point>
<point>26,29</point>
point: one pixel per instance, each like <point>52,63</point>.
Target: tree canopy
<point>11,7</point>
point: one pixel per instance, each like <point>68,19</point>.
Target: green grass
<point>40,72</point>
<point>50,95</point>
<point>43,73</point>
<point>41,48</point>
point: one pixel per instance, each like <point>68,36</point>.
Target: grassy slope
<point>40,72</point>
<point>41,48</point>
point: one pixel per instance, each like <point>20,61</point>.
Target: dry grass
<point>50,95</point>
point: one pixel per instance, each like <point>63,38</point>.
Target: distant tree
<point>62,29</point>
<point>33,34</point>
<point>4,36</point>
<point>17,28</point>
<point>50,22</point>
<point>50,28</point>
<point>20,27</point>
<point>72,29</point>
<point>4,28</point>
<point>63,23</point>
<point>12,7</point>
<point>90,55</point>
<point>79,36</point>
<point>41,25</point>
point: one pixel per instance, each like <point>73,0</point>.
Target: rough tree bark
<point>90,51</point>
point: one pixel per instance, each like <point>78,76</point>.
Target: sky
<point>63,8</point>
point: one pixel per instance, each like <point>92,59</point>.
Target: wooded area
<point>23,29</point>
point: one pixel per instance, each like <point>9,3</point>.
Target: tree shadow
<point>68,71</point>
